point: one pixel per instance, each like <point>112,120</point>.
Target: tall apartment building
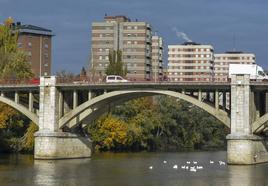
<point>134,39</point>
<point>190,62</point>
<point>36,43</point>
<point>157,58</point>
<point>222,61</point>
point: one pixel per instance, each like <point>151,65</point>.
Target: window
<point>119,78</point>
<point>46,55</point>
<point>29,54</point>
<point>46,45</point>
<point>100,49</point>
<point>128,42</point>
<point>46,64</point>
<point>30,44</point>
<point>100,57</point>
<point>19,45</point>
<point>107,57</point>
<point>45,73</point>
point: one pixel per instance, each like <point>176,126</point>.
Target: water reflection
<point>53,172</point>
<point>248,175</point>
<point>113,169</point>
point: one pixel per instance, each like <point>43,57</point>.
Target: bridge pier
<point>50,141</point>
<point>243,147</point>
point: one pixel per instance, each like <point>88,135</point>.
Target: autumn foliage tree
<point>109,133</point>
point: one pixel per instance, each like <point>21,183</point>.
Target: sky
<point>215,22</point>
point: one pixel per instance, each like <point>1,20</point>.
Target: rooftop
<point>234,52</point>
<point>118,18</point>
<point>190,43</point>
<point>31,29</point>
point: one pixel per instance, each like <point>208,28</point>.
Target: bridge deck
<point>136,85</point>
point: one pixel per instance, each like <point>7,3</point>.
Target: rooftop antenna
<point>234,42</point>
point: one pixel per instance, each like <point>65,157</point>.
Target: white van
<point>256,72</point>
<point>115,79</point>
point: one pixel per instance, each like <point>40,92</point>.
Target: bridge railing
<point>88,80</point>
<point>13,81</point>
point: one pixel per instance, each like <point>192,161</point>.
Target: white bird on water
<point>221,162</point>
<point>211,162</point>
<point>151,167</point>
<point>199,167</point>
<point>194,162</point>
<point>192,169</point>
<point>175,167</point>
<point>183,167</point>
<point>188,162</point>
<point>164,161</point>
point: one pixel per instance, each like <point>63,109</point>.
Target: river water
<point>120,169</point>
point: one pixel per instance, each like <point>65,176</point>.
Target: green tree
<point>13,64</point>
<point>116,65</point>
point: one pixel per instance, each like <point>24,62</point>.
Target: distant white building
<point>222,61</point>
<point>190,62</point>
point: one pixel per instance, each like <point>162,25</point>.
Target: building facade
<point>157,58</point>
<point>222,61</point>
<point>36,43</point>
<point>134,39</point>
<point>190,62</point>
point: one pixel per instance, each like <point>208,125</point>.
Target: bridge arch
<point>259,124</point>
<point>87,108</point>
<point>32,116</point>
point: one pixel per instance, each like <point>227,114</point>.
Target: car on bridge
<point>115,79</point>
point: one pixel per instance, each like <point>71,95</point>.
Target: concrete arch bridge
<point>58,107</point>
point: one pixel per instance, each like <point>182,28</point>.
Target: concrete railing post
<point>17,98</point>
<point>216,99</point>
<point>199,95</point>
<point>31,100</point>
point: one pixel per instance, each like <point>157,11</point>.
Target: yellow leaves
<point>28,138</point>
<point>110,132</point>
<point>6,112</point>
<point>114,129</point>
<point>9,21</point>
